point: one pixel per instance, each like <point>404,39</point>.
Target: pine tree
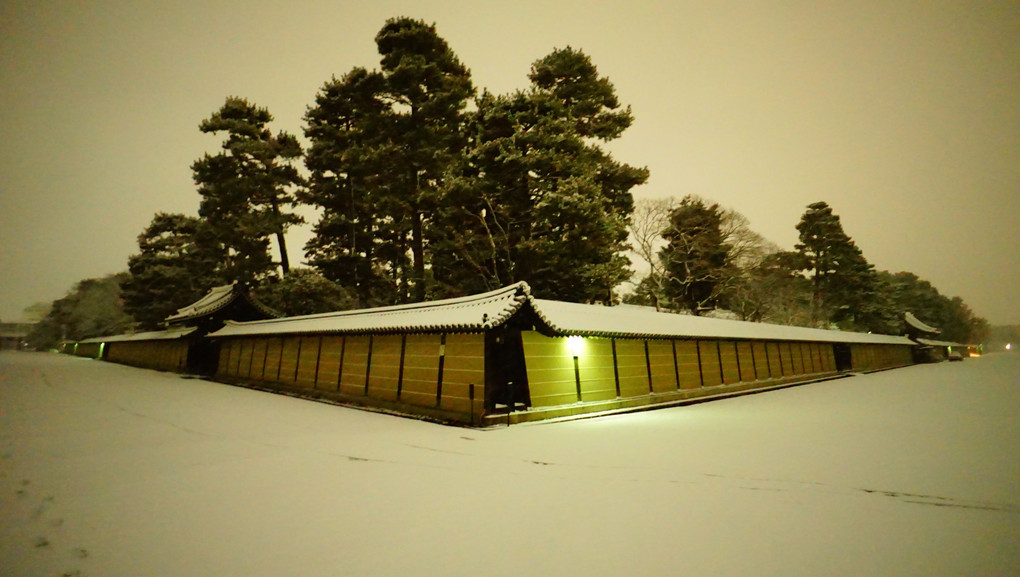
<point>385,140</point>
<point>696,258</point>
<point>535,198</point>
<point>845,289</point>
<point>174,267</point>
<point>348,163</point>
<point>247,188</point>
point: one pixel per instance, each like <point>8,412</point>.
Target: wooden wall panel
<point>352,376</point>
<point>761,365</point>
<point>828,358</point>
<point>224,366</point>
<point>246,346</point>
<point>598,376</point>
<point>709,351</point>
<point>786,358</point>
<point>421,369</point>
<point>274,350</point>
<point>329,363</point>
<point>661,366</point>
<point>798,358</point>
<point>632,367</point>
<point>774,359</point>
<point>289,359</point>
<point>463,368</point>
<point>687,364</point>
<point>747,361</point>
<point>307,361</point>
<point>260,359</point>
<point>816,358</point>
<point>384,374</point>
<point>728,355</point>
<point>550,367</point>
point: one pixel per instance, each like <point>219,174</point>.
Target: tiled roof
<point>174,333</point>
<point>217,298</point>
<point>594,320</point>
<point>463,314</point>
<point>917,324</point>
<point>933,343</point>
<point>214,300</point>
<point>492,309</point>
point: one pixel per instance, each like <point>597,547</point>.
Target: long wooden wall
<point>162,355</point>
<point>869,357</point>
<point>565,370</point>
<point>445,372</point>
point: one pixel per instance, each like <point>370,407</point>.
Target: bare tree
<point>648,223</point>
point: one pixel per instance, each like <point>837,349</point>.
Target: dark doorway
<point>203,357</point>
<point>843,356</point>
<point>506,376</point>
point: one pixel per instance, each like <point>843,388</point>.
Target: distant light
<point>575,345</point>
<point>1009,346</point>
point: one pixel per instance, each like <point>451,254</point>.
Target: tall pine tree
<point>845,286</point>
<point>175,266</point>
<point>696,258</point>
<point>382,143</point>
<point>535,198</point>
<point>247,188</point>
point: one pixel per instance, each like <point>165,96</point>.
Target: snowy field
<point>108,470</point>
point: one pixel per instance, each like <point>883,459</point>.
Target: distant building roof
<point>169,334</point>
<point>217,299</point>
<point>913,322</point>
<point>934,343</point>
<point>494,308</point>
<point>15,330</point>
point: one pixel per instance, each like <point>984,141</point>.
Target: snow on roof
<point>217,298</point>
<point>933,343</point>
<point>462,314</point>
<point>492,309</point>
<point>917,324</point>
<point>595,320</point>
<point>214,300</point>
<point>174,333</point>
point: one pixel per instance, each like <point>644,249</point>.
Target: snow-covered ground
<point>108,470</point>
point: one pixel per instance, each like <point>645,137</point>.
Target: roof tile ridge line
<point>541,315</point>
<point>519,296</point>
<point>219,304</point>
<point>508,290</point>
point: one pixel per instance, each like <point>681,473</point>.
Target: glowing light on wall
<point>575,345</point>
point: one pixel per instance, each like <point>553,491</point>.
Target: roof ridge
<point>520,291</point>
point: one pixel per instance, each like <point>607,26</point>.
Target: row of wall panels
<point>162,355</point>
<point>565,370</point>
<point>431,370</point>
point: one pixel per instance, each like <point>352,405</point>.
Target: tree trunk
<point>284,259</point>
<point>418,256</point>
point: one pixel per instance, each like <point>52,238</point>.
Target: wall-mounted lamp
<point>575,345</point>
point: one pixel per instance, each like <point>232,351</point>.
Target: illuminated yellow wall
<point>687,364</point>
<point>595,362</point>
<point>632,367</point>
<point>661,366</point>
<point>550,367</point>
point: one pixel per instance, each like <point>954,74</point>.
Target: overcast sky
<point>903,116</point>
